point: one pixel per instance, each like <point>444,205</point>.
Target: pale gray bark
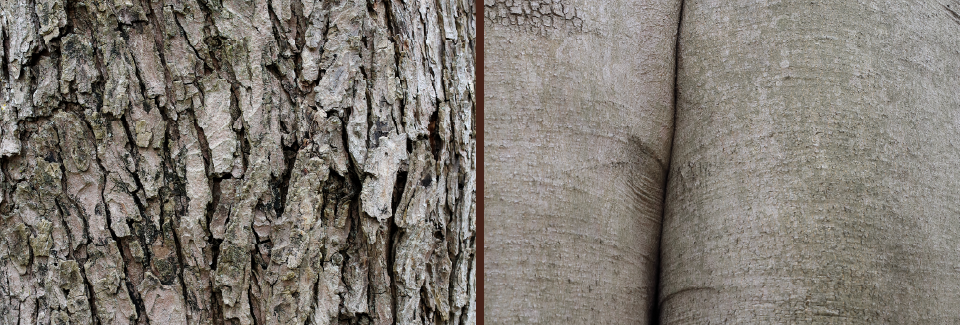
<point>579,115</point>
<point>814,173</point>
<point>237,162</point>
<point>812,179</point>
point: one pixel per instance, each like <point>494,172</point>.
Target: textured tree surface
<point>237,162</point>
<point>814,175</point>
<point>579,115</point>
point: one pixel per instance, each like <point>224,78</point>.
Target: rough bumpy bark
<point>579,103</point>
<point>237,162</point>
<point>814,175</point>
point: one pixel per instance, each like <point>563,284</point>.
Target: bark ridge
<point>237,162</point>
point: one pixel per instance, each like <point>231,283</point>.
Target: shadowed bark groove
<point>237,162</point>
<point>580,101</point>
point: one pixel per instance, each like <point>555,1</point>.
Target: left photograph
<point>237,162</point>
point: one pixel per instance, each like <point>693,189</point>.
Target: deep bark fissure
<point>657,302</point>
<point>80,262</point>
<point>133,294</point>
<point>4,70</point>
<point>183,33</point>
<point>145,221</point>
<point>283,184</point>
<point>89,287</point>
<point>127,65</point>
<point>395,36</point>
<point>159,30</point>
<point>253,276</point>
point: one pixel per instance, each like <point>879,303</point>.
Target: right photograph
<point>722,162</point>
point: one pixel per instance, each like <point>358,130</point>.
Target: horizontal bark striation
<point>813,173</point>
<point>237,162</point>
<point>578,144</point>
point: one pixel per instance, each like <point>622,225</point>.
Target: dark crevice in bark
<point>134,295</point>
<point>36,20</point>
<point>291,91</point>
<point>216,309</point>
<point>399,186</point>
<point>953,13</point>
<point>89,286</point>
<point>436,143</point>
<point>83,271</point>
<point>174,189</point>
<point>283,184</point>
<point>289,87</point>
<point>33,63</point>
<point>214,183</point>
<point>36,311</point>
<point>299,26</point>
<point>75,241</point>
<point>394,27</point>
<point>5,37</point>
<point>215,193</point>
<point>443,34</point>
<point>88,21</point>
<point>65,197</point>
<point>276,26</point>
<point>254,306</point>
<point>210,40</point>
<point>391,236</point>
<point>145,222</point>
<point>158,30</point>
<point>658,303</point>
<point>86,233</point>
<point>7,187</point>
<point>245,147</point>
<point>178,247</point>
<point>183,34</point>
<point>202,141</point>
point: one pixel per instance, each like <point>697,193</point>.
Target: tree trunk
<point>813,175</point>
<point>579,102</point>
<point>237,162</point>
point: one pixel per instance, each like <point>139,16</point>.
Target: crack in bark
<point>90,292</point>
<point>183,34</point>
<point>138,304</point>
<point>148,27</point>
<point>655,314</point>
<point>90,300</point>
<point>141,208</point>
<point>395,36</point>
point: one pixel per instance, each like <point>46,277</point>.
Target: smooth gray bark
<point>579,113</point>
<point>814,172</point>
<point>237,162</point>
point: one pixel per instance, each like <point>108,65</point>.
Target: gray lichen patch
<point>17,240</point>
<point>142,134</point>
<point>41,243</point>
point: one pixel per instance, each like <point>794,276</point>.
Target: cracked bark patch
<point>535,16</point>
<point>206,162</point>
